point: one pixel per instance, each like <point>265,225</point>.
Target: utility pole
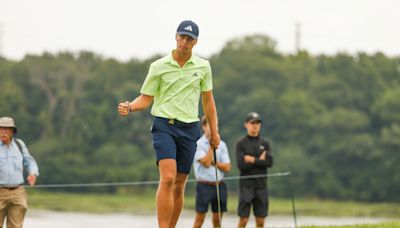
<point>297,36</point>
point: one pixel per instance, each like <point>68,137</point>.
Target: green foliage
<point>333,121</point>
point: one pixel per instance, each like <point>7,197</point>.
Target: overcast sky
<point>126,29</point>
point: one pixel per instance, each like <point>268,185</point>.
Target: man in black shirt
<point>253,155</point>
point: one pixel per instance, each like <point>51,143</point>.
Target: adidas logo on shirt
<point>195,74</point>
<point>189,28</point>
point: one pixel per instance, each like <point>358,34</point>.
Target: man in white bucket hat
<point>14,158</point>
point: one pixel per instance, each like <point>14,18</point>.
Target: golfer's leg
<point>165,204</point>
<point>198,222</point>
<point>215,219</point>
<point>178,197</point>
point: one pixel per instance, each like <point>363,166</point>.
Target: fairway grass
<point>143,202</point>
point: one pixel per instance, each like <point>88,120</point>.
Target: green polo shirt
<point>177,90</point>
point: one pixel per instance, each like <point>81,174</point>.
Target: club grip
<point>215,155</point>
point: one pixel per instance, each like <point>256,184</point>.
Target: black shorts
<point>207,194</point>
<point>252,196</point>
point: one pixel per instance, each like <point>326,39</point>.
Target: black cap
<point>253,116</point>
<point>188,28</point>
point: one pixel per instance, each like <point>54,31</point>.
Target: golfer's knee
<point>179,190</point>
<point>167,180</point>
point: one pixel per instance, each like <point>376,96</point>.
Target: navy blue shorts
<point>176,140</point>
<point>207,194</point>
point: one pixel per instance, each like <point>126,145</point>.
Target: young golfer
<point>174,84</point>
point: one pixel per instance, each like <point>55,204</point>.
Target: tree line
<point>333,121</point>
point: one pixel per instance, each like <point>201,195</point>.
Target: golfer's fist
<point>215,139</point>
<point>123,108</point>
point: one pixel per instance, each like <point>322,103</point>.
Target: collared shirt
<point>13,162</point>
<point>176,89</point>
<point>208,173</point>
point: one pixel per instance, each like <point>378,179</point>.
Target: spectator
<point>14,158</point>
<point>204,171</point>
<point>253,154</point>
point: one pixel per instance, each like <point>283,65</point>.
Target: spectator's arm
<point>224,167</point>
<point>208,159</point>
<point>266,161</point>
<point>28,161</point>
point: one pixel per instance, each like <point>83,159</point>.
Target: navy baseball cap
<point>188,28</point>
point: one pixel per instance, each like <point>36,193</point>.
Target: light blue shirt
<point>208,173</point>
<point>13,162</point>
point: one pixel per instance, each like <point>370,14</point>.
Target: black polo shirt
<point>253,146</point>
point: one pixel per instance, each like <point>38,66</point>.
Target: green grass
<point>379,225</point>
<point>138,203</point>
<point>144,202</point>
<point>320,207</point>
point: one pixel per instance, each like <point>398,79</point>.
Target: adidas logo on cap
<point>189,28</point>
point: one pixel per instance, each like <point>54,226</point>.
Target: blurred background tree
<point>333,121</point>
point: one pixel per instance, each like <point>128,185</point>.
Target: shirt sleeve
<point>206,84</point>
<point>151,83</point>
<point>240,158</point>
<point>200,152</point>
<point>225,154</point>
<point>28,161</point>
<point>268,162</point>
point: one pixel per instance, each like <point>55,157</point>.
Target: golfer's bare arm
<point>140,103</point>
<point>211,114</point>
<point>224,167</point>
